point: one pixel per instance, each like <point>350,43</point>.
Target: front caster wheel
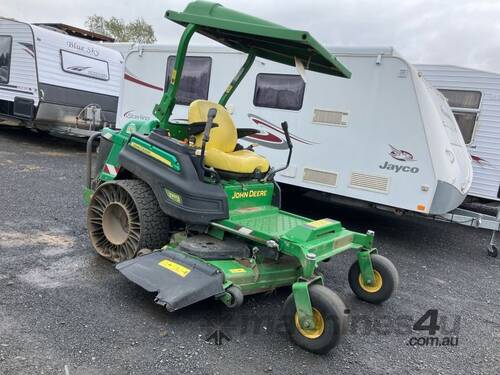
<point>385,284</point>
<point>329,313</point>
<point>236,297</point>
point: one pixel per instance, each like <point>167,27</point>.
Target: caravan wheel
<point>492,251</point>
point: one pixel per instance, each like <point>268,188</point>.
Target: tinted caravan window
<point>5,53</point>
<point>465,106</point>
<point>462,98</point>
<point>283,91</point>
<point>466,122</point>
<point>195,78</point>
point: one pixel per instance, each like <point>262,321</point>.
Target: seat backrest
<point>224,137</point>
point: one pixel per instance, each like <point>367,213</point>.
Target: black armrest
<point>245,132</point>
<point>198,127</point>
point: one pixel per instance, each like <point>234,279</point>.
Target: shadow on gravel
<point>34,138</point>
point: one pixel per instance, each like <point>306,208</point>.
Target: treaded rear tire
<point>140,221</point>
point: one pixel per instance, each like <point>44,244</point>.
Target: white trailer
<point>55,82</point>
<point>385,136</point>
<point>474,97</point>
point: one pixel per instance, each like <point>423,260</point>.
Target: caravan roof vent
<point>328,117</point>
<point>369,182</point>
<point>320,177</point>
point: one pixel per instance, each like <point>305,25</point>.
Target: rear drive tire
<point>123,217</point>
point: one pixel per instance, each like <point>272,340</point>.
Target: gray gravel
<point>62,305</point>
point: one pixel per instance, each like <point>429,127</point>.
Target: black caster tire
<point>492,251</point>
<point>330,318</point>
<point>236,297</point>
<point>123,217</point>
<point>386,280</point>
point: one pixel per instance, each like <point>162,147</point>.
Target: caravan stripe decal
<point>70,97</point>
<point>12,90</point>
<point>130,78</point>
<point>260,121</point>
<point>28,48</point>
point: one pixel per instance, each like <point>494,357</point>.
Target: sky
<point>456,32</point>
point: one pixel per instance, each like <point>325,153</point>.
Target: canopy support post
<point>163,110</point>
<point>237,78</point>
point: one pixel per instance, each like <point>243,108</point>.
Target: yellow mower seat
<point>220,150</point>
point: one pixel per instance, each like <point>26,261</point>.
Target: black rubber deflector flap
<point>179,279</point>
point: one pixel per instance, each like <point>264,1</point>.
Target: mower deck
<point>179,279</point>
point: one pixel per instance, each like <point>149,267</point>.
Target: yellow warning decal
<point>237,270</point>
<point>319,223</point>
<point>148,152</point>
<point>175,267</point>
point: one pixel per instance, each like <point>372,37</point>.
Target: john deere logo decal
<point>249,194</point>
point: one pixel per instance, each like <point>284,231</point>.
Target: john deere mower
<point>189,213</point>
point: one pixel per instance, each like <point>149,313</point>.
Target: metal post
<point>163,110</point>
<point>303,304</point>
<point>90,142</point>
<point>237,79</point>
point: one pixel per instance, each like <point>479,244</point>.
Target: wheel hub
<point>115,223</point>
<point>373,287</point>
<point>319,325</point>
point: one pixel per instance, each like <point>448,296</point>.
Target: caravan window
<point>465,106</point>
<point>462,98</point>
<point>283,91</point>
<point>195,79</point>
<point>84,66</point>
<point>5,52</point>
<point>466,122</point>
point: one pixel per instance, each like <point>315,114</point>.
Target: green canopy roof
<point>266,39</point>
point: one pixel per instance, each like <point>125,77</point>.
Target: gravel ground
<point>63,309</point>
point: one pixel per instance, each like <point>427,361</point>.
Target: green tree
<point>138,30</point>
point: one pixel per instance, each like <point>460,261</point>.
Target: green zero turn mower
<point>190,214</point>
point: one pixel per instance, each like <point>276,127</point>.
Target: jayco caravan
<point>385,136</point>
<point>55,82</point>
<point>474,97</point>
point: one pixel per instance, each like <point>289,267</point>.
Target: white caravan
<point>56,82</point>
<point>474,97</point>
<point>385,136</point>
